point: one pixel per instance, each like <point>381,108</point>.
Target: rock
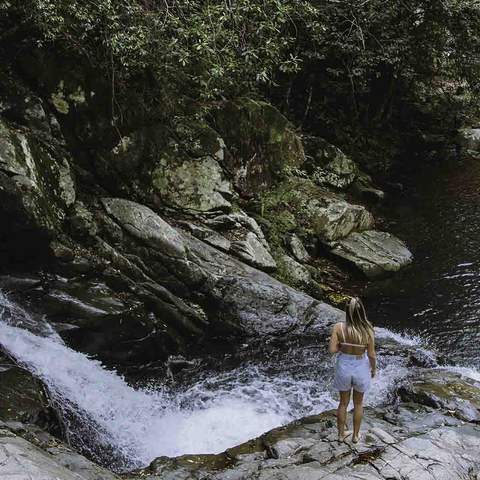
<point>246,238</point>
<point>469,139</point>
<point>209,236</point>
<point>261,144</point>
<point>333,219</point>
<point>144,224</point>
<point>331,166</point>
<point>192,184</point>
<point>409,442</point>
<point>22,397</point>
<point>253,252</point>
<point>446,390</point>
<point>364,187</point>
<point>237,299</point>
<point>374,253</point>
<point>82,222</point>
<point>43,460</point>
<point>317,212</point>
<point>296,273</point>
<point>36,186</point>
<point>297,249</point>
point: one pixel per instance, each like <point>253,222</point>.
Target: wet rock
<point>297,249</point>
<point>449,391</point>
<point>42,457</point>
<point>375,253</point>
<point>414,442</point>
<point>22,397</point>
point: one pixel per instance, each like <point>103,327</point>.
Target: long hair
<point>359,328</point>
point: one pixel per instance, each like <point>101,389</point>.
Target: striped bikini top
<point>349,344</point>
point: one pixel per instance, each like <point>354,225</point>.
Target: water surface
<point>438,296</point>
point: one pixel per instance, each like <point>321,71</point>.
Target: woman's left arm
<point>334,344</point>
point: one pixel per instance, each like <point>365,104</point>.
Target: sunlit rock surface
<point>374,253</point>
<point>408,441</point>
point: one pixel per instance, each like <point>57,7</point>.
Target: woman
<point>356,364</point>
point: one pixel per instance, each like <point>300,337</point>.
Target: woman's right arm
<point>372,356</point>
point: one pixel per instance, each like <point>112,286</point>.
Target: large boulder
<point>237,298</point>
<point>316,211</point>
<point>36,186</point>
<point>334,218</point>
<point>375,253</point>
<point>180,168</point>
<point>197,185</point>
<point>261,144</point>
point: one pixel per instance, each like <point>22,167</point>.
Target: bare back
<point>347,344</point>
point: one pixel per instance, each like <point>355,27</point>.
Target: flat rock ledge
<point>394,445</point>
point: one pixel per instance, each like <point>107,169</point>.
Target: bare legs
<point>357,414</point>
<point>342,414</point>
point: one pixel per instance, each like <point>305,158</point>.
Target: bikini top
<point>349,344</point>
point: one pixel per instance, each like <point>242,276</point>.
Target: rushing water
<point>438,296</point>
<point>218,410</point>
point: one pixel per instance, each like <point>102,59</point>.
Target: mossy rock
<point>446,390</point>
<point>316,211</point>
<point>22,397</point>
<point>262,144</point>
<point>36,188</point>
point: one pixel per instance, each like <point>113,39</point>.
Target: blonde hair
<point>359,329</point>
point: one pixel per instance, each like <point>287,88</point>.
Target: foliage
<point>202,50</point>
<point>370,65</point>
<point>346,69</point>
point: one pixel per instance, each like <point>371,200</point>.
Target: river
<point>438,297</point>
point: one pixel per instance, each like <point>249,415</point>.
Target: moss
<point>59,101</point>
<point>337,298</point>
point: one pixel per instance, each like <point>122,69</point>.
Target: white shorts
<point>352,371</point>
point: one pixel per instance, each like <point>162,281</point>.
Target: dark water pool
<point>438,296</point>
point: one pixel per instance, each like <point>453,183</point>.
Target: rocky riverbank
<point>431,430</point>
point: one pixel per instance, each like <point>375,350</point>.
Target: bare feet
<point>356,438</point>
<point>343,436</point>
